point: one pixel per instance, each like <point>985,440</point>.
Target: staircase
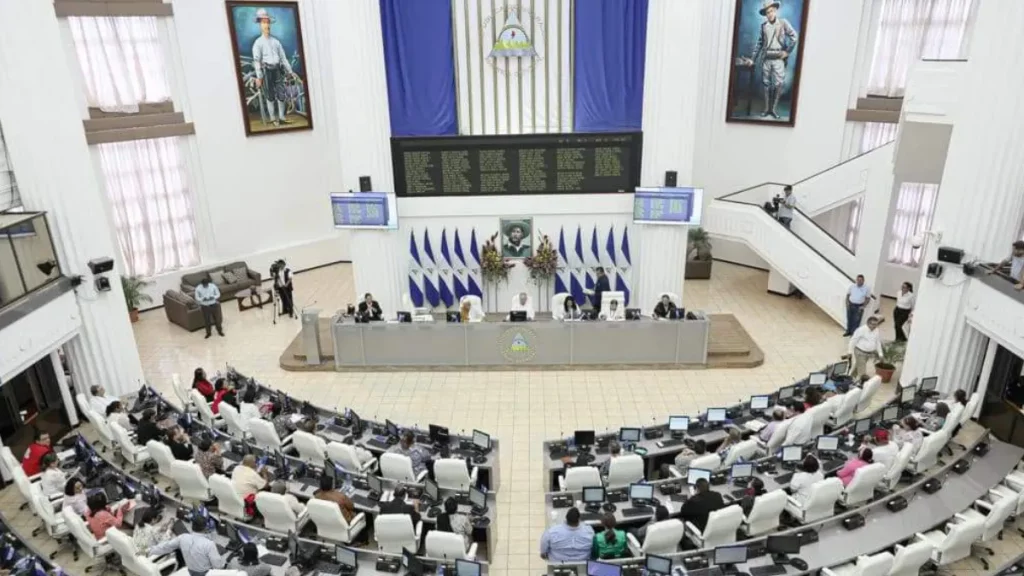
<point>806,255</point>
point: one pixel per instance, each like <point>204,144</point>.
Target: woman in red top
<point>99,518</point>
<point>39,447</point>
<point>200,383</point>
<point>225,392</point>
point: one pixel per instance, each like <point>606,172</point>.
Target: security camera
<point>917,241</point>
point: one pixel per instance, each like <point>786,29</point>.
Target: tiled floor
<point>520,408</point>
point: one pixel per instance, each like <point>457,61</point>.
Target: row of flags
<point>444,277</point>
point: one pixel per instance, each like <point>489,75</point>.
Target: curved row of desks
<point>834,544</point>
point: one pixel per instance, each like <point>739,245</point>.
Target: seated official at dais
<point>665,308</point>
<point>571,310</point>
<point>522,303</point>
<point>369,310</point>
<point>614,313</point>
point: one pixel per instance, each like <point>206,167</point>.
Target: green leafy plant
<point>699,244</point>
<point>493,266</point>
<point>544,263</point>
<point>135,291</point>
<point>892,353</point>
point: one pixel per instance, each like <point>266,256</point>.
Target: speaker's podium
<point>311,335</point>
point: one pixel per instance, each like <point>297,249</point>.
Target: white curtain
<point>873,135</point>
<point>911,30</point>
<point>147,185</point>
<point>122,61</point>
<point>9,197</point>
<point>914,208</point>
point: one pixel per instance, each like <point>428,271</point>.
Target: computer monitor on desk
<point>431,493</point>
<point>907,393</point>
<point>658,565</point>
<point>792,454</point>
<point>741,472</point>
<point>694,474</point>
<point>593,497</point>
<point>780,546</point>
<point>641,493</point>
<point>786,393</point>
<point>467,568</point>
<point>827,443</point>
<point>629,435</point>
<point>478,498</point>
<point>438,434</point>
<point>595,568</point>
<point>584,438</point>
<point>716,415</point>
<point>839,369</point>
<point>862,426</point>
<point>481,441</point>
<point>817,379</point>
<point>391,429</point>
<point>413,564</point>
<point>759,403</point>
<point>727,557</point>
<point>376,486</point>
<point>891,413</point>
<point>346,557</point>
<point>678,425</point>
<point>929,384</point>
<point>517,316</point>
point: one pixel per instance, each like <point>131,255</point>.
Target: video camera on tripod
<point>772,206</point>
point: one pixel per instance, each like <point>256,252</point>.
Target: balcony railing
<point>28,262</point>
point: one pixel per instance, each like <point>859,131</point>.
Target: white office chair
<point>625,470</point>
<point>956,413</point>
<point>161,454</point>
<point>206,415</point>
<point>452,474</point>
<point>24,486</point>
<point>476,308</point>
<point>265,435</point>
<point>661,538</point>
<point>106,435</point>
<point>448,546</point>
<point>192,484</point>
<point>616,295</point>
<point>278,516</point>
<point>312,449</point>
<point>394,533</point>
<point>228,501</point>
<point>346,456</point>
<point>876,565</point>
<point>399,468</point>
<point>331,524</point>
<point>745,450</point>
<point>87,543</point>
<point>53,523</point>
<point>12,463</point>
<point>181,392</point>
<point>125,548</point>
<point>955,543</point>
<point>910,558</point>
<point>514,303</point>
<point>895,472</point>
<point>720,529</point>
<point>236,425</point>
<point>928,455</point>
<point>706,462</point>
<point>577,478</point>
<point>993,512</point>
<point>132,452</point>
<point>843,413</point>
<point>765,514</point>
<point>867,392</point>
<point>966,415</point>
<point>558,305</point>
<point>418,314</point>
<point>778,436</point>
<point>821,413</point>
<point>862,487</point>
<point>820,502</point>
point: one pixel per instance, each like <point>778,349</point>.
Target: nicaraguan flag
<point>609,248</point>
<point>459,264</point>
<point>595,259</point>
<point>563,264</point>
<point>429,272</point>
<point>444,271</point>
<point>474,280</point>
<point>580,277</point>
<point>622,282</point>
<point>415,272</point>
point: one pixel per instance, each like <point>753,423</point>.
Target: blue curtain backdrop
<point>420,66</point>
<point>611,42</point>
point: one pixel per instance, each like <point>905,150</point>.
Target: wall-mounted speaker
<point>951,255</point>
<point>670,178</point>
<point>364,184</point>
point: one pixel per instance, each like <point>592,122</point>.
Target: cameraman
<point>785,206</point>
<point>283,286</point>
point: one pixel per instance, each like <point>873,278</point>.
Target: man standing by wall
<point>271,64</point>
<point>208,297</point>
<point>857,297</point>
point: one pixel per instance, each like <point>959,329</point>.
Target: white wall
<point>37,334</point>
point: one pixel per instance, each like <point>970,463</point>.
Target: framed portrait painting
<point>516,237</point>
<point>270,65</point>
<point>767,54</point>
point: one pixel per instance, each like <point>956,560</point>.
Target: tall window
<point>147,184</point>
<point>875,134</point>
<point>9,197</point>
<point>122,61</point>
<point>915,206</point>
<point>909,30</point>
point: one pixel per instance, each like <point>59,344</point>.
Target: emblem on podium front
<point>518,345</point>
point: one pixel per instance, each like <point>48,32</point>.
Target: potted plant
<point>135,294</point>
<point>544,263</point>
<point>698,254</point>
<point>493,266</point>
<point>892,354</point>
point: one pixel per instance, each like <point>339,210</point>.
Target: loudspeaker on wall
<point>364,184</point>
<point>670,178</point>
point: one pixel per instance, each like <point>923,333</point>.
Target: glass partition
<point>28,261</point>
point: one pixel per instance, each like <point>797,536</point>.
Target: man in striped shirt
<point>569,542</point>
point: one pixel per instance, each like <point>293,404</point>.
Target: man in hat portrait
<point>516,241</point>
<point>271,64</point>
<point>776,41</point>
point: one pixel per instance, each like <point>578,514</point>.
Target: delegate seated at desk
<point>100,400</point>
<point>778,417</point>
<point>328,493</point>
<point>209,457</point>
<point>522,303</point>
<point>115,413</point>
<point>369,310</point>
<point>665,308</point>
<point>398,505</point>
<point>700,505</point>
<point>100,517</point>
<point>568,542</point>
<point>179,444</point>
<point>417,454</point>
<point>151,530</point>
<point>863,458</point>
<point>809,475</point>
<point>883,451</point>
<point>198,551</point>
<point>799,432</point>
<point>613,313</point>
<point>248,561</point>
<point>53,479</point>
<point>246,480</point>
<point>570,310</point>
<point>614,451</point>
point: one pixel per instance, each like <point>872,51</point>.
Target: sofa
<point>181,307</point>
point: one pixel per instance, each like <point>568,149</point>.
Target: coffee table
<point>256,297</point>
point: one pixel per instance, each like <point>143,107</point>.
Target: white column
<point>364,134</point>
<point>669,125</point>
<point>43,128</point>
<point>980,202</point>
<point>65,389</point>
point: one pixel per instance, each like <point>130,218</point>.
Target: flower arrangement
<point>544,262</point>
<point>493,266</point>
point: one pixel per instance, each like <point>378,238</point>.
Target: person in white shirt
<point>786,206</point>
<point>53,479</point>
<point>613,313</point>
<point>883,451</point>
<point>865,344</point>
<point>115,413</point>
<point>799,432</point>
<point>904,306</point>
<point>100,400</point>
<point>523,303</point>
<point>293,502</point>
<point>247,408</point>
<point>858,295</point>
<point>1016,262</point>
<point>809,475</point>
<point>245,479</point>
<point>908,431</point>
<point>208,296</point>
